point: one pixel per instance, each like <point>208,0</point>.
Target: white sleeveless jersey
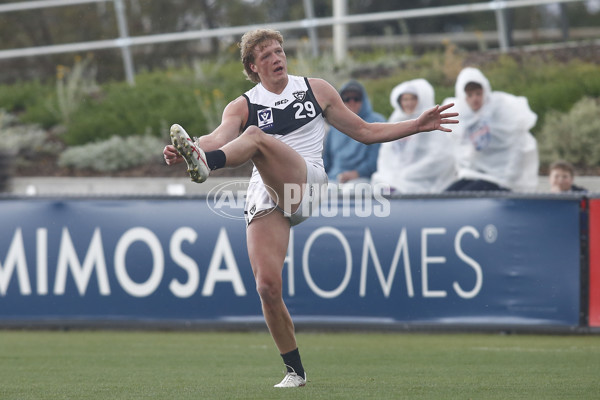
<point>294,117</point>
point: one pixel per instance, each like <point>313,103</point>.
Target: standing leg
<point>268,238</point>
<point>268,234</point>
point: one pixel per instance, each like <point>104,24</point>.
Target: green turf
<point>200,365</point>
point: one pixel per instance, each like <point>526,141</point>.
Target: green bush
<point>153,104</point>
<point>547,85</point>
<point>33,101</point>
<point>122,110</point>
<point>572,136</point>
<point>74,86</point>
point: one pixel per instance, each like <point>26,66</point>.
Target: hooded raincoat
<point>421,163</point>
<point>494,143</point>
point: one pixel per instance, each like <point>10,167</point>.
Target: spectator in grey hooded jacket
<point>344,158</point>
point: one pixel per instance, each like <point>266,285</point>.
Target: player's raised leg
<point>280,166</point>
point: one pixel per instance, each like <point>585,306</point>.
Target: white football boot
<point>292,379</point>
<point>192,154</point>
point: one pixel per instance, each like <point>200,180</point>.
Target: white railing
<point>124,41</point>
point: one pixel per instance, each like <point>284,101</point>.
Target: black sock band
<point>293,363</point>
<point>215,159</point>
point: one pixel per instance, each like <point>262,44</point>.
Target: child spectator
<point>562,174</point>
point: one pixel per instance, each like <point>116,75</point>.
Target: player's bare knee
<point>269,291</point>
<point>254,133</point>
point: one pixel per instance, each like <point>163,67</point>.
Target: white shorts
<point>258,199</point>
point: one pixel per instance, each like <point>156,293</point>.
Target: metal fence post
<point>124,42</point>
<point>312,31</point>
<point>340,31</point>
<point>500,7</point>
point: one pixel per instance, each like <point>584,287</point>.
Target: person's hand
<point>347,176</point>
<point>171,155</point>
<point>435,117</point>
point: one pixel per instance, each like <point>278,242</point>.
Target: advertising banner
<point>594,248</point>
<point>485,261</point>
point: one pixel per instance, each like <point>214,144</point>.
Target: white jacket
<point>421,163</point>
<point>495,143</point>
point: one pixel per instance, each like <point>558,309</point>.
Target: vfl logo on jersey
<point>265,118</point>
<point>299,95</point>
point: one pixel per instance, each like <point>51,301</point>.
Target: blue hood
<point>342,153</point>
<point>366,111</point>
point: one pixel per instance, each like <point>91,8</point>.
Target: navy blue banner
<point>485,261</point>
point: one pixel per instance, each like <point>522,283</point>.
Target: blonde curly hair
<point>251,39</point>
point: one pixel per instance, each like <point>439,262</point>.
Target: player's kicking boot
<point>192,154</point>
<point>292,379</point>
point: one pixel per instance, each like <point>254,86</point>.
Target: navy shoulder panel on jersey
<point>273,119</point>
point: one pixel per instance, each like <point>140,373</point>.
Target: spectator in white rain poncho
<point>494,149</point>
<point>417,164</point>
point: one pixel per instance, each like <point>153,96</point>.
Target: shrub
<point>114,154</point>
<point>32,101</point>
<point>149,107</point>
<point>154,103</point>
<point>25,142</point>
<point>73,85</point>
<point>573,135</point>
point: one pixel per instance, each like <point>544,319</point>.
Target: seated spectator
<point>421,163</point>
<point>345,159</point>
<point>494,148</point>
<point>562,174</point>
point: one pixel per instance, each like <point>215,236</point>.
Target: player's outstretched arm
<point>346,121</point>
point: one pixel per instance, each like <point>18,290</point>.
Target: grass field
<point>218,365</point>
